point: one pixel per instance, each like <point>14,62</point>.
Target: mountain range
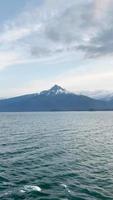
<point>98,94</point>
<point>54,99</point>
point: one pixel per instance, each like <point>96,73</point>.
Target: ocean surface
<point>56,156</point>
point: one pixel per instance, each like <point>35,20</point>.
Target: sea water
<point>56,156</point>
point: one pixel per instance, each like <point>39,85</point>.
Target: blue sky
<point>47,42</point>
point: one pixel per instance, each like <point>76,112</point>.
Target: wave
<point>30,188</point>
<point>66,187</point>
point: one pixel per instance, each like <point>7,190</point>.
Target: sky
<point>47,42</point>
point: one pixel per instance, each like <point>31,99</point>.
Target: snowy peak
<point>55,90</point>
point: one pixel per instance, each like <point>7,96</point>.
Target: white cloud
<point>7,58</point>
<point>57,27</point>
<point>101,7</point>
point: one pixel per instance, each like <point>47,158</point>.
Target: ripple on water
<point>56,156</point>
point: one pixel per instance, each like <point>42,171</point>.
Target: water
<point>56,156</point>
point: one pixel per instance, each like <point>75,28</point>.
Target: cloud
<point>99,77</point>
<point>57,27</point>
<point>7,58</point>
<point>87,78</point>
<point>100,8</point>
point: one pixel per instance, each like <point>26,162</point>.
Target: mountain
<point>54,99</point>
<point>99,94</point>
<point>55,90</point>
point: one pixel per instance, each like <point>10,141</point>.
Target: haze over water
<point>56,156</point>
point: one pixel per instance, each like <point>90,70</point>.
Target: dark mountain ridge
<point>55,99</point>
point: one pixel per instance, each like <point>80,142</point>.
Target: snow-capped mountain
<point>55,90</point>
<point>54,99</point>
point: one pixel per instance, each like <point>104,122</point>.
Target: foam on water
<point>66,187</point>
<point>30,188</point>
<point>22,191</point>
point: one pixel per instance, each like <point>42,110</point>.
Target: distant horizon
<point>43,42</point>
<point>93,93</point>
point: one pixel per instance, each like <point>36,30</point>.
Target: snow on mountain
<point>54,99</point>
<point>99,95</point>
<point>55,90</point>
